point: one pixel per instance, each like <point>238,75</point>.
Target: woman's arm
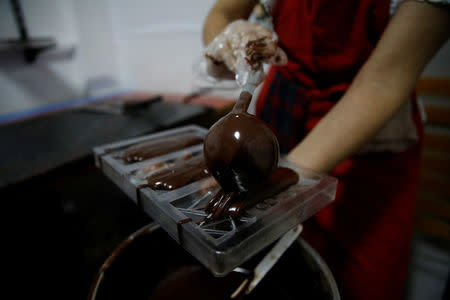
<point>383,84</point>
<point>224,12</point>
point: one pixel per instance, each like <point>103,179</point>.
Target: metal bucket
<point>149,264</point>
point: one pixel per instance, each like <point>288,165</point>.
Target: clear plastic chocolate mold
<point>226,243</point>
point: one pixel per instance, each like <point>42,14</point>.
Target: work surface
<point>61,227</point>
<point>64,215</point>
<point>40,144</point>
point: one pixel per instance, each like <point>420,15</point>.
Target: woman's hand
<point>381,87</point>
<point>243,47</point>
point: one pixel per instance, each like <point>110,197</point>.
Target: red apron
<point>364,236</point>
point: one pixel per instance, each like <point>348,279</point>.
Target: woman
<point>344,104</point>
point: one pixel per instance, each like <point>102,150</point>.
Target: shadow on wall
<point>51,78</point>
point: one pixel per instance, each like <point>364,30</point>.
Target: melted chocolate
<point>232,204</point>
<point>240,150</point>
<point>191,282</point>
<point>160,146</point>
<point>182,173</point>
<point>151,169</point>
<point>281,179</point>
<point>255,53</point>
<point>153,266</point>
<point>294,276</point>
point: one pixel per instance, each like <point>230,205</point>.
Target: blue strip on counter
<point>8,118</point>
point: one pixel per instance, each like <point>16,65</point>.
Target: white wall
<point>110,45</point>
<point>96,48</point>
<point>56,75</point>
<point>158,41</point>
<point>103,46</point>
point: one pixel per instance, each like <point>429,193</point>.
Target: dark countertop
<point>64,216</point>
<point>37,145</point>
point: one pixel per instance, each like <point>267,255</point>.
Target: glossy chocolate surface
<point>231,204</point>
<point>281,179</point>
<point>240,150</point>
<point>161,146</point>
<point>181,174</point>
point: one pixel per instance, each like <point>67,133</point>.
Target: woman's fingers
<point>243,47</point>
